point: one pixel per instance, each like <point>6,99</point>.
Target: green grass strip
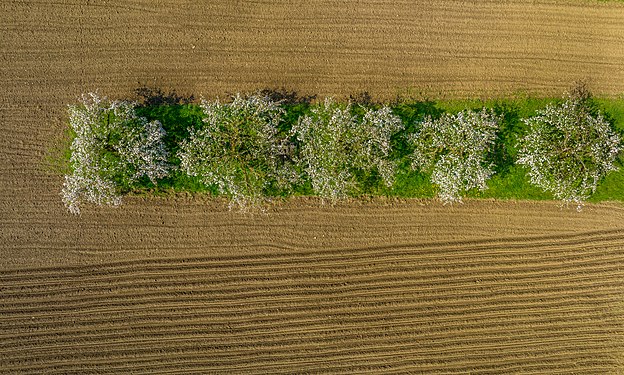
<point>509,182</point>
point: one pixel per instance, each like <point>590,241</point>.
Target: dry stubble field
<point>182,285</point>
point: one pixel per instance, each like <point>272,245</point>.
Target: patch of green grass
<point>514,184</point>
<point>57,158</point>
<point>613,110</point>
<point>412,184</point>
<point>176,120</point>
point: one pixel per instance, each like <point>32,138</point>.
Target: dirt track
<point>184,285</point>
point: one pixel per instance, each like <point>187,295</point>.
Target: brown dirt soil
<point>182,285</point>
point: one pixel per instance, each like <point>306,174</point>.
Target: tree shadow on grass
<point>511,128</point>
<point>411,114</point>
<point>294,103</point>
<point>177,114</point>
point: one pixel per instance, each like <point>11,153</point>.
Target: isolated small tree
<point>334,143</point>
<point>567,150</point>
<point>111,149</point>
<point>454,149</point>
<point>238,150</point>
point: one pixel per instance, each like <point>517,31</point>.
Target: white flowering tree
<point>454,149</point>
<point>238,149</point>
<point>112,148</point>
<point>567,150</point>
<point>334,143</point>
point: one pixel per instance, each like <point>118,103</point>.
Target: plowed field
<point>182,285</point>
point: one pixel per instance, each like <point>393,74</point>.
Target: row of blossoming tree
<point>243,151</point>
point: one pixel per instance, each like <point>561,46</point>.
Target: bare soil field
<point>182,285</point>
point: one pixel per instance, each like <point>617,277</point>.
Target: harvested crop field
<point>182,285</point>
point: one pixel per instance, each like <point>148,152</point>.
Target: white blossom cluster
<point>454,149</point>
<point>372,146</point>
<point>238,149</point>
<point>334,142</point>
<point>112,146</point>
<point>568,151</point>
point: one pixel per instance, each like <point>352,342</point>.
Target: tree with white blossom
<point>111,149</point>
<point>239,149</point>
<point>454,149</point>
<point>567,150</point>
<point>334,143</point>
